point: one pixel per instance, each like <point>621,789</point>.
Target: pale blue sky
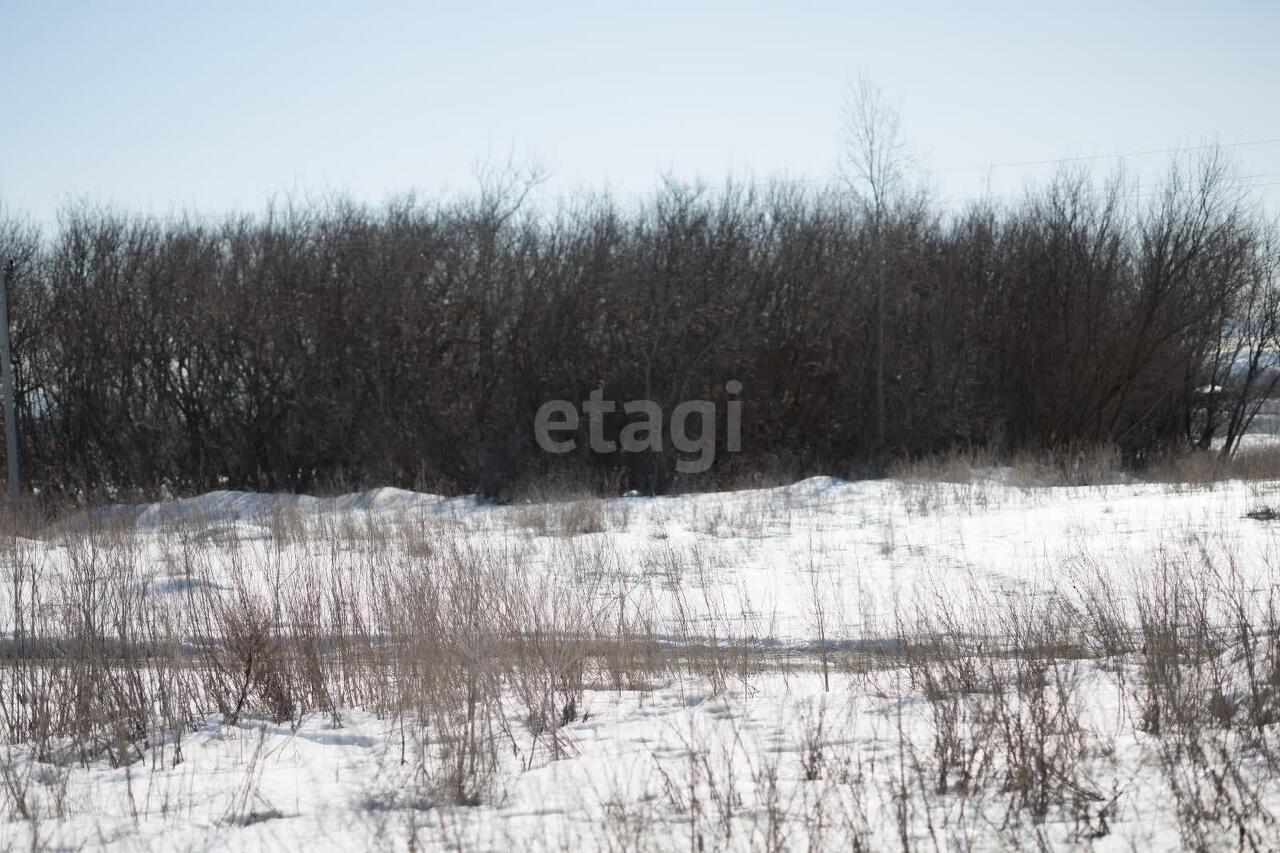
<point>216,106</point>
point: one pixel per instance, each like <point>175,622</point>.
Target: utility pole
<point>6,379</point>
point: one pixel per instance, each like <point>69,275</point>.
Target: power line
<point>1120,156</point>
<point>1241,182</point>
<point>217,218</point>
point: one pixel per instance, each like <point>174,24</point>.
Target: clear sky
<point>215,106</point>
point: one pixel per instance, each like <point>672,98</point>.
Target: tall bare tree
<point>873,163</point>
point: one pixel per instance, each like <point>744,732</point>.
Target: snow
<point>231,506</point>
<point>634,757</point>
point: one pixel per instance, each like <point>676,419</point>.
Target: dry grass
<point>984,729</point>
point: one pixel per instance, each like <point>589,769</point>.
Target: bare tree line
<point>334,344</point>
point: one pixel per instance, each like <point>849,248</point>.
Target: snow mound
<point>246,512</point>
<point>816,486</point>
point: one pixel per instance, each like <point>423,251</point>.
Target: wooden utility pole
<point>6,379</point>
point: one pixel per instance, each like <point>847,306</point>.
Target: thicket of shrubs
<point>333,344</point>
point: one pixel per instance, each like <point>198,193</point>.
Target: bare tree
<point>335,344</point>
<point>873,162</point>
<point>1244,372</point>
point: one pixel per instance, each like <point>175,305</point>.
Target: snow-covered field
<point>819,666</point>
